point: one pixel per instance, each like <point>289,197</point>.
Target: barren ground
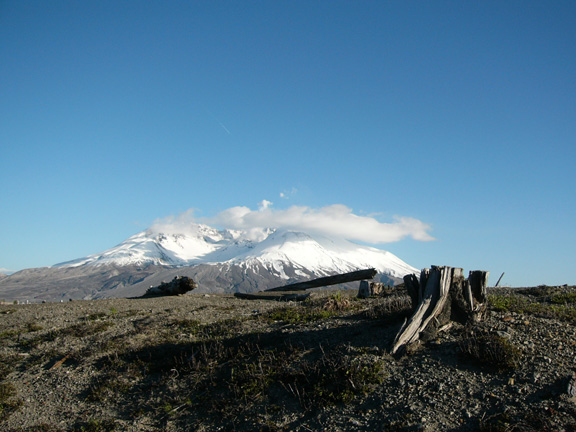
<point>214,362</point>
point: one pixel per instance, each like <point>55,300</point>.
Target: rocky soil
<point>215,362</point>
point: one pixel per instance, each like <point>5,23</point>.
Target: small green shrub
<point>297,314</point>
<point>521,421</point>
<point>348,379</point>
<point>251,380</point>
<point>334,377</point>
<point>221,329</point>
<point>7,365</point>
<point>167,408</point>
<point>539,291</point>
<point>33,341</point>
<point>191,326</point>
<point>32,327</point>
<point>96,316</point>
<point>564,298</point>
<point>491,350</point>
<point>561,308</point>
<point>42,427</point>
<point>95,425</point>
<point>337,302</point>
<point>108,388</point>
<point>76,330</point>
<point>504,303</point>
<point>390,309</point>
<point>562,312</point>
<point>8,404</point>
<point>29,328</point>
<point>8,334</point>
<point>83,329</point>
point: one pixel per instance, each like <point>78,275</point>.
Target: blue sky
<point>457,114</point>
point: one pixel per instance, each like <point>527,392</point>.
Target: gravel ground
<point>132,364</point>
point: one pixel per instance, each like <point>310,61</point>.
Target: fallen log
<point>276,297</point>
<point>328,280</point>
<point>178,285</point>
<point>442,295</point>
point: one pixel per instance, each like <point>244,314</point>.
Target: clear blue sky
<point>460,114</point>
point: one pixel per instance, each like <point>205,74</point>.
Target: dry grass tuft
<point>490,350</point>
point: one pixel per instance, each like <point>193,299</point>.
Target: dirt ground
<point>216,362</point>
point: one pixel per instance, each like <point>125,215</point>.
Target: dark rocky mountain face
<point>84,282</point>
<point>106,281</point>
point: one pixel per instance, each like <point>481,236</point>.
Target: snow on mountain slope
<point>148,247</point>
<point>279,250</point>
<point>138,249</point>
<point>322,255</point>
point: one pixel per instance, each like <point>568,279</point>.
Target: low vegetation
<point>542,301</point>
<point>490,350</point>
<point>225,372</point>
<point>315,310</point>
<point>9,402</point>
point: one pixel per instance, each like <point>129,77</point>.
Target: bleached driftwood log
<point>442,295</point>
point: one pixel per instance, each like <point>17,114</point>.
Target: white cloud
<point>264,204</point>
<point>334,220</point>
<point>288,193</point>
<point>184,223</point>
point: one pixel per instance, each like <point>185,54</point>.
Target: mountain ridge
<point>218,260</point>
<point>205,245</point>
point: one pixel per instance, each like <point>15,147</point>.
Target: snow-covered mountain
<point>277,250</point>
<point>218,260</point>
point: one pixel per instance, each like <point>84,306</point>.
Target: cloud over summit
<point>335,220</point>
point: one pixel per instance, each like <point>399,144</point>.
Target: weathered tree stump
<point>442,295</point>
<point>370,289</point>
<point>364,290</point>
